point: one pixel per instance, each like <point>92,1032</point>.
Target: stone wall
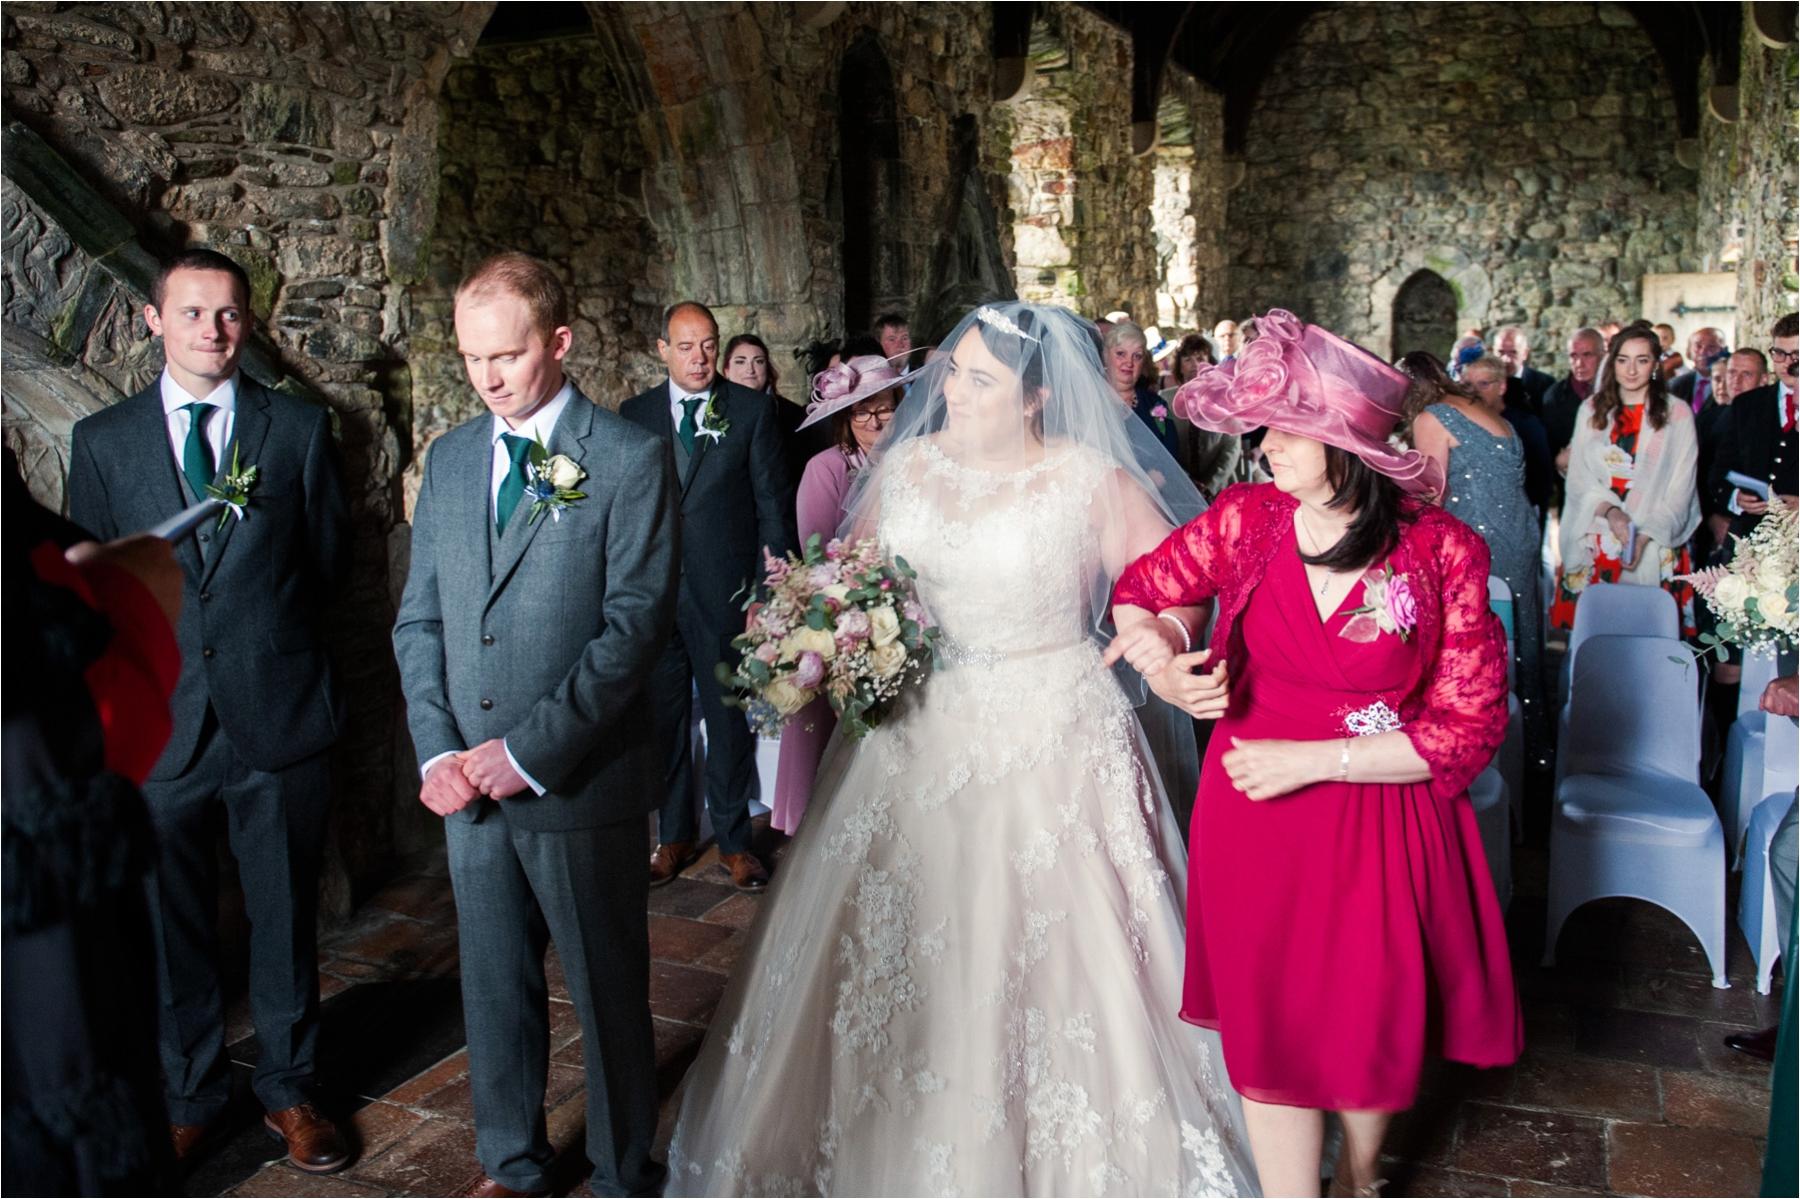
<point>1764,145</point>
<point>1523,152</point>
<point>538,150</point>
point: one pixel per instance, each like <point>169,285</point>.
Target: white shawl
<point>1661,499</point>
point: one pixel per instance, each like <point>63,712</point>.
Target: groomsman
<point>255,709</point>
<point>542,589</point>
<point>1763,442</point>
<point>727,448</point>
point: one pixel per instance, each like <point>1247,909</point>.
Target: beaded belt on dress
<point>958,654</point>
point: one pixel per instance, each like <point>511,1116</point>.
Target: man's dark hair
<point>680,306</point>
<point>890,320</point>
<point>198,259</point>
<point>1762,363</point>
<point>860,345</point>
<point>1787,326</point>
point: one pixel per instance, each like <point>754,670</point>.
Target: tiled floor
<point>1625,1086</point>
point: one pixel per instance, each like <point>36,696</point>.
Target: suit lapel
<point>569,437</point>
<point>702,444</point>
<point>158,492</point>
<point>250,428</point>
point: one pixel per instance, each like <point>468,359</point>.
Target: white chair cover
<point>1756,898</point>
<point>1628,609</point>
<point>1488,794</point>
<point>1634,709</point>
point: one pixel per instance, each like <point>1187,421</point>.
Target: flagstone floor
<point>1625,1087</point>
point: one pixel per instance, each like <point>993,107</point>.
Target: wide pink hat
<point>837,388</point>
<point>1308,381</point>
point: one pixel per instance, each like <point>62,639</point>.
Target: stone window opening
<point>1425,312</point>
<point>872,186</point>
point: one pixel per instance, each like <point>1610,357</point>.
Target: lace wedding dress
<point>965,979</point>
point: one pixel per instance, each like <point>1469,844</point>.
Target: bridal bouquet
<point>840,621</point>
<point>1756,596</point>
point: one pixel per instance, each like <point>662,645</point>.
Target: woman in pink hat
<point>858,397</point>
<point>1341,920</point>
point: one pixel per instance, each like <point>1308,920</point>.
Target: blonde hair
<point>524,277</point>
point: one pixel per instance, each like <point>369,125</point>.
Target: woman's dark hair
<point>751,339</point>
<point>1190,345</point>
<point>1608,399</point>
<point>1430,383</point>
<point>1376,499</point>
<point>1021,355</point>
<point>861,345</point>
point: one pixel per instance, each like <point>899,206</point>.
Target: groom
<point>727,444</point>
<point>541,590</point>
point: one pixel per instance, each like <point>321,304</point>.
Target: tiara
<point>988,316</point>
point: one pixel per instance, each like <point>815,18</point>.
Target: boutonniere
<point>712,422</point>
<point>550,481</point>
<point>234,489</point>
<point>1389,606</point>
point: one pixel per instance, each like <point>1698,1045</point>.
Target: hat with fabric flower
<point>1308,381</point>
<point>837,388</point>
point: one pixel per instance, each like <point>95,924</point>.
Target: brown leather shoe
<point>1756,1044</point>
<point>487,1188</point>
<point>747,873</point>
<point>186,1138</point>
<point>666,861</point>
<point>314,1143</point>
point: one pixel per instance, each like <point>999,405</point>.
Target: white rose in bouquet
<point>1731,593</point>
<point>562,471</point>
<point>836,591</point>
<point>1772,604</point>
<point>818,641</point>
<point>884,625</point>
<point>787,698</point>
<point>886,660</point>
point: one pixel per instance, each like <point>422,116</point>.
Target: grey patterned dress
<point>1487,492</point>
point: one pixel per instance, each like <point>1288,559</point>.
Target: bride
<point>965,979</point>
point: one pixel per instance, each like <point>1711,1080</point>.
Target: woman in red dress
<point>1341,919</point>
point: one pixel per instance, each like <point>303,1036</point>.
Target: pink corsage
<point>1160,412</point>
<point>1389,606</point>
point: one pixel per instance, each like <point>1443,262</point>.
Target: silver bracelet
<point>1187,640</point>
<point>1344,761</point>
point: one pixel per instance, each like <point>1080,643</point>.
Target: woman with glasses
<point>859,398</point>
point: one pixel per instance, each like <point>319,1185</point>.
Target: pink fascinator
<point>837,388</point>
<point>1308,381</point>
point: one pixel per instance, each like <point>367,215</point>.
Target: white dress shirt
<point>218,426</point>
<point>538,427</point>
<point>676,395</point>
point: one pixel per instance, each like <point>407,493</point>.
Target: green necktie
<point>689,424</point>
<point>196,455</point>
<point>512,488</point>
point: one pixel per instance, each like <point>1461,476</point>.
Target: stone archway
<point>1424,315</point>
<point>1172,216</point>
<point>1042,183</point>
<point>872,185</point>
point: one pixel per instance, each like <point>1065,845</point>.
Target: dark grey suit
<point>254,712</point>
<point>734,502</point>
<point>544,637</point>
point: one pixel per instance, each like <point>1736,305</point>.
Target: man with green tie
<point>255,710</point>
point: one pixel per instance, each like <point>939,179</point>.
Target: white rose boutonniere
<point>712,423</point>
<point>550,481</point>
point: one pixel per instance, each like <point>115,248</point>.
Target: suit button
<point>207,652</point>
<point>486,704</point>
<point>206,537</point>
<point>206,597</point>
<point>487,639</point>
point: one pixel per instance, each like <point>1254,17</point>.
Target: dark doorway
<point>1425,315</point>
<point>869,135</point>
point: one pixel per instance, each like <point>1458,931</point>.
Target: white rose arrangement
<point>841,622</point>
<point>1756,596</point>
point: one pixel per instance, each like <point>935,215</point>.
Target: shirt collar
<point>175,396</point>
<point>676,394</point>
<point>541,423</point>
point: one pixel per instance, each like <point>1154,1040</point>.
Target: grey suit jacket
<point>549,644</point>
<point>255,591</point>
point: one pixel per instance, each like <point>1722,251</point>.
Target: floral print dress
<point>1607,563</point>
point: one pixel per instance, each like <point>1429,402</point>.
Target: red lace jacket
<point>1455,706</point>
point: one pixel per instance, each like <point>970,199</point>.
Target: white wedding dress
<point>965,978</point>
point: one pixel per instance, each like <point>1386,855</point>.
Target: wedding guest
<point>856,401</point>
<point>1762,443</point>
<point>894,334</point>
<point>539,598</point>
<point>748,364</point>
<point>733,480</point>
<point>1632,503</point>
<point>1692,384</point>
<point>1464,430</point>
<point>1737,373</point>
<point>256,710</point>
<point>1487,378</point>
<point>1563,399</point>
<point>1671,363</point>
<point>1227,340</point>
<point>1342,923</point>
<point>1213,460</point>
<point>1513,347</point>
<point>1124,351</point>
<point>1467,349</point>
